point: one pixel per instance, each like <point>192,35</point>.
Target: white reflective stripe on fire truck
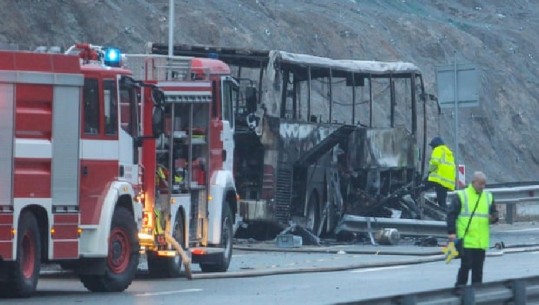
<point>44,78</point>
<point>176,84</point>
<point>6,142</point>
<point>33,148</point>
<point>23,202</point>
<point>99,149</point>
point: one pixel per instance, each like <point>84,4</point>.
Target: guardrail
<point>502,194</point>
<point>514,291</point>
<point>408,227</point>
<point>508,196</point>
<point>510,206</point>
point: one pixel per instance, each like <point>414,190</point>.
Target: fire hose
<point>185,258</point>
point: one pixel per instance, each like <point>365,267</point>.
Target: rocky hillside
<point>500,36</point>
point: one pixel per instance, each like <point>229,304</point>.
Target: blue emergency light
<point>112,57</point>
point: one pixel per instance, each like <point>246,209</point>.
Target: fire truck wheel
<point>24,272</point>
<point>169,266</point>
<point>313,213</point>
<point>227,236</point>
<point>122,260</point>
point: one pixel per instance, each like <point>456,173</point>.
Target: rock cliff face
<point>499,137</point>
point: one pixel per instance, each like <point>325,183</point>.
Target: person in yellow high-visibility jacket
<point>468,219</point>
<point>442,171</point>
<point>161,181</point>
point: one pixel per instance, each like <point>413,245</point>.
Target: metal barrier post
<point>519,291</point>
<point>509,213</point>
<point>468,296</point>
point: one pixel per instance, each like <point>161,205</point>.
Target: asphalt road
<point>302,288</point>
<point>313,275</point>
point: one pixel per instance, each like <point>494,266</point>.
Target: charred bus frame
<point>290,142</point>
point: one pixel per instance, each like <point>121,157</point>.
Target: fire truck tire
<point>169,266</point>
<point>122,260</point>
<point>227,236</point>
<point>24,272</point>
<point>312,221</point>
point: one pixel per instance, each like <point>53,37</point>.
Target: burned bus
<point>317,138</point>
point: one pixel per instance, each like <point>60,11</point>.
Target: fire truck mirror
<point>158,121</point>
<point>158,97</point>
<point>250,96</point>
<point>128,81</point>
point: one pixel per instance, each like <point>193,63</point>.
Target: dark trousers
<point>441,192</point>
<point>471,259</point>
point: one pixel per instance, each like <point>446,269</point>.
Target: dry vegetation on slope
<point>500,36</point>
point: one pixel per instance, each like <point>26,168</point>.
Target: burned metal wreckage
<point>317,138</point>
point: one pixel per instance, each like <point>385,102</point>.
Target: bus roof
<point>253,58</point>
<point>357,66</point>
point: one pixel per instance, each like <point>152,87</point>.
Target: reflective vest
<point>162,177</point>
<point>442,167</point>
<point>477,236</point>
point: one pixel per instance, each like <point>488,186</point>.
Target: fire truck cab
<point>71,170</point>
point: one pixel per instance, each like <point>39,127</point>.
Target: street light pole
<point>170,28</point>
<point>456,88</point>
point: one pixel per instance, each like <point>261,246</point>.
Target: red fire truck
<point>193,197</point>
<point>70,179</point>
<point>81,142</point>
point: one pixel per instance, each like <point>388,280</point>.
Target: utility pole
<point>455,94</point>
<point>170,28</point>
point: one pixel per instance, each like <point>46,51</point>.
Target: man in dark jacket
<point>468,218</point>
